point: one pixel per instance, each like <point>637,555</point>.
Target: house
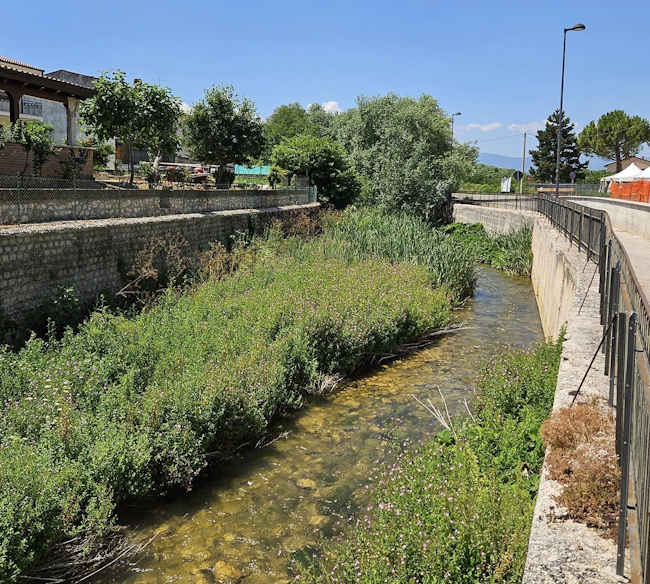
<point>27,92</point>
<point>642,163</point>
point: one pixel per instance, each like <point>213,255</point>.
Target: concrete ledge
<point>561,550</point>
<point>494,220</point>
<point>625,215</point>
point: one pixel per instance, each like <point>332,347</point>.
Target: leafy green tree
<point>286,121</point>
<point>224,128</point>
<point>324,162</point>
<point>320,121</point>
<point>36,139</point>
<point>101,151</point>
<point>402,149</point>
<point>141,115</point>
<point>544,157</point>
<point>615,136</point>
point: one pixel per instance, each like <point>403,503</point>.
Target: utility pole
<point>523,166</point>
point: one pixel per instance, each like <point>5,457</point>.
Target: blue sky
<point>497,62</point>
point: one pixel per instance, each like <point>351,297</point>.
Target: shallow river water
<point>246,524</point>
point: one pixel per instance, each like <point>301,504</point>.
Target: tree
<point>402,149</point>
<point>224,128</point>
<point>615,136</point>
<point>140,115</point>
<point>36,139</point>
<point>324,162</point>
<point>101,151</point>
<point>320,121</point>
<point>286,121</point>
<point>544,157</point>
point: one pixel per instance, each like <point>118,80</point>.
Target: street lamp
<point>452,127</point>
<point>559,125</point>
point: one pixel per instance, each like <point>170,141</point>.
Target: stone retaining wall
<point>96,256</point>
<point>42,205</point>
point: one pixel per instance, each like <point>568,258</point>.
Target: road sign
<point>517,175</point>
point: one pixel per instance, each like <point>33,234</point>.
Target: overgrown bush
<point>509,252</point>
<point>583,458</point>
<point>459,509</point>
<point>129,407</point>
<point>402,238</point>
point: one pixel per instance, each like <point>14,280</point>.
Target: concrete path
<point>631,222</point>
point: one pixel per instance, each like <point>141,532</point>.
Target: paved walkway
<point>632,227</point>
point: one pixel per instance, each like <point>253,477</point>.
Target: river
<point>265,510</point>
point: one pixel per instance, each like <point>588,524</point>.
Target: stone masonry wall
<point>96,256</point>
<point>41,205</point>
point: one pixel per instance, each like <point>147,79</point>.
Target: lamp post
<point>452,127</point>
<point>559,125</point>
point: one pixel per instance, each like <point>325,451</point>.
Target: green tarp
<point>252,170</point>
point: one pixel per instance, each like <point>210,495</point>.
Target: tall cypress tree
<point>544,158</point>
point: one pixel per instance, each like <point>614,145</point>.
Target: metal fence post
<point>620,377</point>
<point>605,296</point>
<point>612,360</point>
<point>625,454</point>
<point>613,309</point>
<point>582,214</point>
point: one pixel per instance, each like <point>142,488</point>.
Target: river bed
<point>261,512</point>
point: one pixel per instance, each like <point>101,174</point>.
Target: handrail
<point>622,295</point>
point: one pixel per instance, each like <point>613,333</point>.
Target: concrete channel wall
<point>560,550</point>
<point>553,275</point>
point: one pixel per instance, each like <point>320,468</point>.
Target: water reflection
<point>277,501</point>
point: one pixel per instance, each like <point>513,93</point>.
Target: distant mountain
<point>503,161</point>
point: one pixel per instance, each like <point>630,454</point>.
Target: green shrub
<point>510,252</point>
<point>458,510</point>
<point>129,407</point>
<point>403,238</point>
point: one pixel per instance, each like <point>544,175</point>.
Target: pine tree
<point>544,158</point>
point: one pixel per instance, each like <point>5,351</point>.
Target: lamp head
<point>457,114</point>
<point>578,26</point>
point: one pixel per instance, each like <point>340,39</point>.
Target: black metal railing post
<point>613,309</point>
<point>625,444</point>
<point>620,378</point>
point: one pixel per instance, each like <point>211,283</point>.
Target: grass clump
<point>583,458</point>
<point>402,238</point>
<point>510,253</point>
<point>135,407</point>
<point>459,509</point>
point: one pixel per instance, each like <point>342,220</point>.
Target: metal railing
<point>625,318</point>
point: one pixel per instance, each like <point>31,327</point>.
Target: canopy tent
<point>645,174</point>
<point>632,172</point>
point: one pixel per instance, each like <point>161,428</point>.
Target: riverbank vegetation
<point>130,407</point>
<point>137,404</point>
<point>459,509</point>
<point>583,458</point>
<point>510,252</point>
